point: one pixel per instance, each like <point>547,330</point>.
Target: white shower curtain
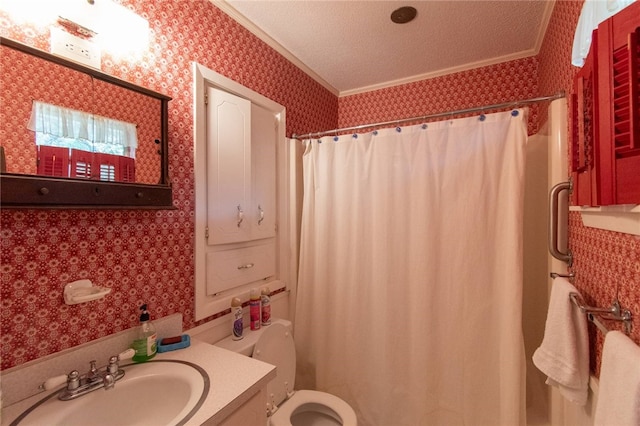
<point>410,285</point>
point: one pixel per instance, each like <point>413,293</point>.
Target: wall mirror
<point>74,137</point>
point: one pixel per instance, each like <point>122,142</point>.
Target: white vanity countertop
<point>233,380</point>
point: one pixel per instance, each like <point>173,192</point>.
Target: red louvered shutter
<point>81,164</point>
<point>619,37</point>
<point>53,161</point>
<point>584,131</point>
<point>127,170</point>
<point>108,166</point>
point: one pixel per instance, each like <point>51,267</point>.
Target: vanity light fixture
<point>115,28</point>
<point>404,14</point>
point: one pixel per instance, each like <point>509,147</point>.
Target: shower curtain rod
<point>440,114</point>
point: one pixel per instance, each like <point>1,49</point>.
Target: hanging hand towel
<point>619,395</point>
<point>564,353</point>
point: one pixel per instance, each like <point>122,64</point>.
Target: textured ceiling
<point>352,46</point>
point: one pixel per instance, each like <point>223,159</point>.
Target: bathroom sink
<point>162,392</point>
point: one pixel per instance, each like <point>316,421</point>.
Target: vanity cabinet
<point>605,127</point>
<point>253,412</point>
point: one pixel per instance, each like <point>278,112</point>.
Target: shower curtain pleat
<point>410,282</point>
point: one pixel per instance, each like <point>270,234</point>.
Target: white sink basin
<point>153,393</point>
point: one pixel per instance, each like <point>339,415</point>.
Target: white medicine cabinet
<point>243,226</point>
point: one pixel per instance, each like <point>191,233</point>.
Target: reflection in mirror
<point>72,136</point>
<point>64,123</point>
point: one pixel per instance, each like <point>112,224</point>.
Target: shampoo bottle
<point>266,306</point>
<point>145,344</point>
<point>236,319</point>
<point>254,309</point>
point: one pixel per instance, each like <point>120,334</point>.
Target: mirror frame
<point>31,191</point>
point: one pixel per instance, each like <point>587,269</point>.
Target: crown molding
<point>544,25</point>
<point>440,73</point>
<point>252,28</point>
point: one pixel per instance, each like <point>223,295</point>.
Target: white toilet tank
<point>245,345</point>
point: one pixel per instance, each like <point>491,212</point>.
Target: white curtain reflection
<point>73,124</point>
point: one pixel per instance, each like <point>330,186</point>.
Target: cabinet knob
<point>246,266</point>
<point>44,190</point>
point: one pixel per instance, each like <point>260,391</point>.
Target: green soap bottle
<point>145,344</point>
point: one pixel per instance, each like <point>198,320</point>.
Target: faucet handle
<point>127,354</point>
<point>93,371</point>
<point>109,381</point>
<point>53,382</point>
<point>113,366</point>
<point>73,380</point>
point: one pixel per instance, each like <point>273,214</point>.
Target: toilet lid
<point>276,347</point>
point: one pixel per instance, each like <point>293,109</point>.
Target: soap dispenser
<point>145,343</point>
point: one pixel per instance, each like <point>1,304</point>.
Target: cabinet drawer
<point>232,268</point>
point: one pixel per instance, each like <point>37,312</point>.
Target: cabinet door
<point>263,160</point>
<point>584,129</point>
<point>228,167</point>
<point>618,46</point>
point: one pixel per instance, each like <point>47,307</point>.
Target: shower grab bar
<point>554,194</point>
<point>614,313</point>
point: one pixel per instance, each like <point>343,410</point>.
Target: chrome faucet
<point>96,378</point>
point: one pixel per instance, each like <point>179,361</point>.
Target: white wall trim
<point>205,305</point>
<point>623,218</point>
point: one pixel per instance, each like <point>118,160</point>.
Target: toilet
<point>274,345</point>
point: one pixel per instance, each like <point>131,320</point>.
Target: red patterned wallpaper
<point>147,255</point>
<point>144,256</point>
<point>607,264</point>
<point>506,82</point>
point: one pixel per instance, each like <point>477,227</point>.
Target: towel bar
<point>570,275</point>
<point>594,319</point>
<point>614,313</point>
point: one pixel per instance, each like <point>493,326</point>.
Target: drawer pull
<point>246,266</point>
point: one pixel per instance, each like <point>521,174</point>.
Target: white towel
<point>619,395</point>
<point>564,353</point>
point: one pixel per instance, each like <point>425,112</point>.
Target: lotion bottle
<point>236,319</point>
<point>265,306</point>
<point>145,343</point>
<point>254,309</point>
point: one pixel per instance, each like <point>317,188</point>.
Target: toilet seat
<point>276,347</point>
<point>320,402</point>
